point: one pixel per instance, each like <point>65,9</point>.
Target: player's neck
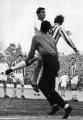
<point>40,19</point>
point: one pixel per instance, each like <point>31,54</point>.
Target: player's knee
<point>15,85</point>
<point>4,84</point>
<point>22,85</point>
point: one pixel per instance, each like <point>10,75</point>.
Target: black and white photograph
<point>41,60</point>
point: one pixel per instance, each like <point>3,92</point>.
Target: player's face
<point>19,59</point>
<point>73,61</point>
<point>42,14</point>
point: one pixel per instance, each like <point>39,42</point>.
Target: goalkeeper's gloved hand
<point>8,71</point>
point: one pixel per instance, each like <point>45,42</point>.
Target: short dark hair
<point>39,10</point>
<point>45,26</point>
<point>59,19</point>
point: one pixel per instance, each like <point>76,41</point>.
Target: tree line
<point>13,51</point>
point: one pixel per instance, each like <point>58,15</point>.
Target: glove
<point>8,71</point>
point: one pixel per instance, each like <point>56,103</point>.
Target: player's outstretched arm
<point>68,40</point>
<point>17,66</point>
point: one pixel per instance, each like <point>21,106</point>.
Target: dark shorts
<point>51,63</point>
